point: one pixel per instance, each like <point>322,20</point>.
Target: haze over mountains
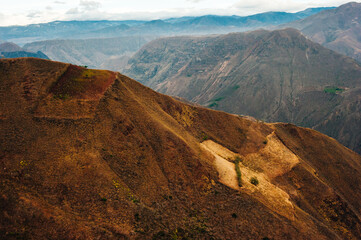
<point>105,53</point>
<point>338,29</point>
<point>11,50</point>
<point>185,25</point>
<point>109,44</point>
<point>90,154</point>
<point>274,76</point>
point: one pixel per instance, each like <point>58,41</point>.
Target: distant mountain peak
<point>10,47</point>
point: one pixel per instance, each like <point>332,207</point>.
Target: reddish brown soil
<point>133,168</point>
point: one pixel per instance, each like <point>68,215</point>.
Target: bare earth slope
<point>89,154</point>
<point>273,76</point>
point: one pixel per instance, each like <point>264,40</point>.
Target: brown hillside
<point>88,154</point>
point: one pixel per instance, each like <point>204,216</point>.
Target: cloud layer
<point>38,11</point>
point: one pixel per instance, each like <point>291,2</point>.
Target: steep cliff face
<point>93,154</point>
<point>273,76</point>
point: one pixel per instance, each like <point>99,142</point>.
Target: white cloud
<point>73,11</point>
<point>195,1</point>
<point>89,5</point>
<point>34,14</point>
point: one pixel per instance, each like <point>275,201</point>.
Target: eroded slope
<point>136,168</point>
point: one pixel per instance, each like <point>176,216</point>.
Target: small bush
<point>238,170</point>
<point>204,136</point>
<point>103,199</point>
<point>234,215</point>
<point>265,142</point>
<point>254,181</point>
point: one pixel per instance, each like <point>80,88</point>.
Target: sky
<point>23,12</point>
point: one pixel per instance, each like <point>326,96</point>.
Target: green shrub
<point>204,136</point>
<point>333,90</point>
<point>254,181</point>
<point>213,104</point>
<point>238,170</point>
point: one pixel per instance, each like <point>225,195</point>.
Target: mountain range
<point>179,26</point>
<point>106,53</point>
<point>271,75</point>
<point>93,154</point>
<point>337,29</point>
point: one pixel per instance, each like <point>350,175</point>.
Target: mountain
<point>105,53</point>
<point>92,154</point>
<point>208,24</point>
<point>56,29</point>
<point>11,50</point>
<point>338,29</point>
<point>273,76</point>
<point>184,25</point>
<point>10,47</point>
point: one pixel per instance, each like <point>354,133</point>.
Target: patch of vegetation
<point>204,136</point>
<point>265,141</point>
<point>61,96</point>
<point>234,215</point>
<point>133,198</point>
<point>333,90</point>
<point>166,197</point>
<point>127,191</point>
<point>213,104</point>
<point>254,181</point>
<point>218,99</point>
<point>103,199</point>
<point>238,170</point>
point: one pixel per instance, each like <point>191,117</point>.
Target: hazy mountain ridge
<point>184,25</point>
<point>110,44</point>
<point>93,154</point>
<point>104,53</point>
<point>274,76</point>
<point>11,50</point>
<point>338,29</point>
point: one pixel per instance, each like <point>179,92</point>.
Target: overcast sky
<point>22,12</point>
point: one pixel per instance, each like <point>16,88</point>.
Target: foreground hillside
<point>273,76</point>
<point>338,29</point>
<point>89,154</point>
